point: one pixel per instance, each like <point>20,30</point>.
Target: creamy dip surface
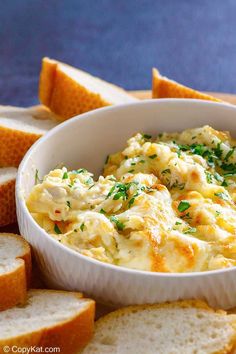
<point>163,204</point>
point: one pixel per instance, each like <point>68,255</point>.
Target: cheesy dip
<point>163,204</point>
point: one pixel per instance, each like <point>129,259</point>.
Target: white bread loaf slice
<point>15,270</point>
<point>188,327</point>
<point>49,318</point>
<point>68,91</point>
<point>19,129</point>
<point>7,195</point>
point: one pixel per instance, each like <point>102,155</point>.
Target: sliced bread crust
<point>68,91</point>
<point>189,327</point>
<point>19,129</point>
<point>7,195</point>
<point>15,270</point>
<point>49,318</point>
<point>162,87</point>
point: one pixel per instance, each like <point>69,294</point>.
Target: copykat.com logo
<point>31,349</point>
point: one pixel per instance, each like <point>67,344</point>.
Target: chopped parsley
<point>89,180</point>
<point>102,211</point>
<point>225,183</point>
<point>218,152</point>
<point>82,227</point>
<point>141,161</point>
<point>121,191</point>
<point>81,170</point>
<point>152,156</point>
<point>230,168</point>
<point>178,223</point>
<point>190,230</point>
<point>229,153</point>
<point>229,174</point>
<point>178,185</point>
<point>68,204</point>
<point>209,177</point>
<point>120,226</point>
<point>186,216</point>
<point>147,136</point>
<point>218,213</point>
<point>221,195</point>
<point>183,147</point>
<point>65,175</point>
<point>131,202</point>
<point>131,171</point>
<point>57,230</point>
<point>119,195</point>
<point>183,206</point>
<point>218,177</point>
<point>165,171</point>
<point>111,191</point>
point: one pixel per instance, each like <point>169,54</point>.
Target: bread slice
<point>49,318</point>
<point>162,87</point>
<point>188,327</point>
<point>7,195</point>
<point>15,270</point>
<point>68,91</point>
<point>19,129</point>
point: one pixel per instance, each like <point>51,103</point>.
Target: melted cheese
<point>164,204</point>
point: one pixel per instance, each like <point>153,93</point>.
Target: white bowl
<point>85,141</point>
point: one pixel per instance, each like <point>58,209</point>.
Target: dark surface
<point>191,41</point>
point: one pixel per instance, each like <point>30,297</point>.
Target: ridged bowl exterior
<point>84,142</point>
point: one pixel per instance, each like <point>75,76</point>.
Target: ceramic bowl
<point>85,141</point>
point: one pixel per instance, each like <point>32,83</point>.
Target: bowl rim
<point>21,204</point>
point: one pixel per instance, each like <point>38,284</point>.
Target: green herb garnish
<point>178,185</point>
<point>186,216</point>
<point>81,170</point>
<point>229,153</point>
<point>65,175</point>
<point>218,152</point>
<point>89,180</point>
<point>57,230</point>
<point>183,206</point>
<point>165,171</point>
<point>190,230</point>
<point>147,136</point>
<point>120,226</point>
<point>82,227</point>
<point>68,203</point>
<point>225,183</point>
<point>209,177</point>
<point>152,156</point>
<point>221,195</point>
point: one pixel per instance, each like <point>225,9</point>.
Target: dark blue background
<point>191,41</point>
